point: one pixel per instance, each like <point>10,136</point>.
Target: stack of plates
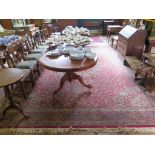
<point>79,51</point>
<point>90,55</point>
<point>68,50</point>
<point>75,56</point>
<point>87,50</point>
<point>54,53</point>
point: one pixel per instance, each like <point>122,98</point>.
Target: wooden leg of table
<point>70,77</point>
<point>16,106</point>
<point>12,104</point>
<point>78,77</point>
<point>4,112</point>
<point>62,82</point>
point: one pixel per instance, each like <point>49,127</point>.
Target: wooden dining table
<point>63,63</point>
<point>8,77</point>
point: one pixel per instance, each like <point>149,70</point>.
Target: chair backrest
<point>1,64</point>
<point>38,36</point>
<point>10,59</point>
<point>13,54</point>
<point>26,44</point>
<point>31,42</point>
<point>46,33</point>
<point>51,28</point>
<point>1,28</point>
<point>34,40</point>
<point>43,36</point>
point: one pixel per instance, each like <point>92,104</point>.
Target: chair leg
<point>32,79</point>
<point>38,69</point>
<point>22,88</point>
<point>12,87</point>
<point>112,41</point>
<point>116,44</point>
<point>5,93</point>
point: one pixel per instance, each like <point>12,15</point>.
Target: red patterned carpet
<point>114,101</point>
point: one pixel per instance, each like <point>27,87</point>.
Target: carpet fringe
<point>77,131</point>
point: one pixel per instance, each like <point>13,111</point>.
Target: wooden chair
<point>27,74</point>
<point>46,33</point>
<point>114,39</point>
<point>145,74</point>
<point>43,36</point>
<point>14,58</point>
<point>1,64</point>
<point>51,29</point>
<point>27,55</point>
<point>40,39</point>
<point>33,45</point>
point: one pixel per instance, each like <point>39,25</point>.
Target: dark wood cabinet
<point>131,41</point>
<point>7,24</point>
<point>62,23</point>
<point>105,24</point>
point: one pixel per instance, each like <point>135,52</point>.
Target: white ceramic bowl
<point>90,55</point>
<point>75,56</point>
<point>87,50</point>
<point>54,53</point>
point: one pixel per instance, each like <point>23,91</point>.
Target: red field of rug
<point>114,101</point>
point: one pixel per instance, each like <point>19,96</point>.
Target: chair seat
<point>145,71</point>
<point>26,74</point>
<point>38,50</point>
<point>33,56</point>
<point>43,46</point>
<point>27,64</point>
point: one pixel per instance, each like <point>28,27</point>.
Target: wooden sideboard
<point>105,24</point>
<point>62,23</point>
<point>131,41</point>
<point>7,24</point>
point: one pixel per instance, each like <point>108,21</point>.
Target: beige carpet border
<point>77,131</point>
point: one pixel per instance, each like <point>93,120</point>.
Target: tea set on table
<point>74,53</point>
<point>76,30</point>
<point>71,44</point>
<point>69,39</point>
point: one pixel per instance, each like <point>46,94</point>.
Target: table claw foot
<point>26,116</point>
<point>16,106</point>
<point>56,91</point>
<point>89,86</point>
<point>78,77</point>
<point>4,112</point>
<point>70,77</point>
